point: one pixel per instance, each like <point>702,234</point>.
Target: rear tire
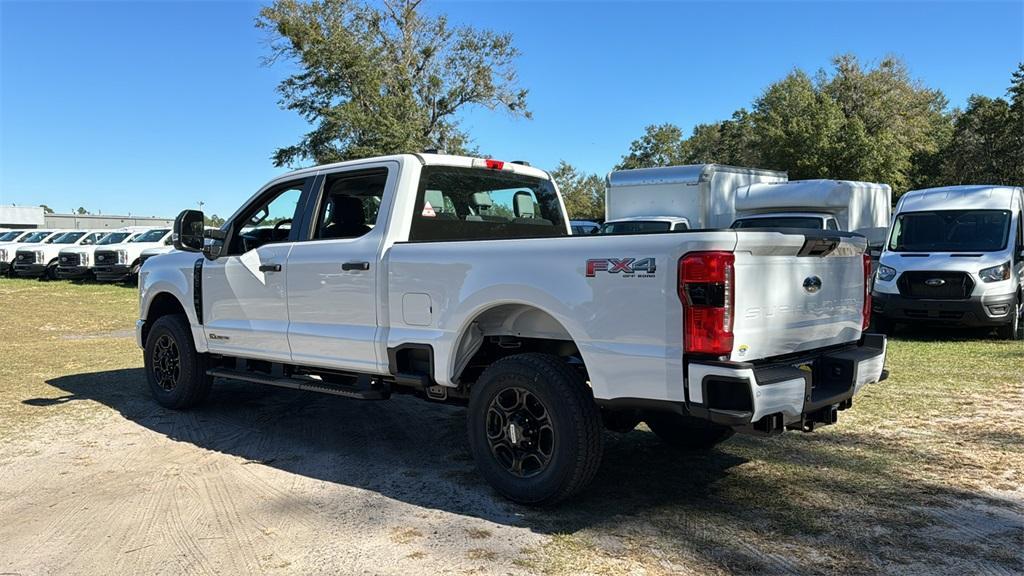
<point>175,372</point>
<point>1012,330</point>
<point>534,429</point>
<point>687,432</point>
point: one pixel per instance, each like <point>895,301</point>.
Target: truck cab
<point>954,256</point>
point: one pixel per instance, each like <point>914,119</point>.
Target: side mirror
<point>188,231</point>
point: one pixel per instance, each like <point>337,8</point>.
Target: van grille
<point>71,259</point>
<point>106,257</point>
<point>935,285</point>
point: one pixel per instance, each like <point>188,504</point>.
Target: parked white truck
<point>457,279</point>
<point>701,194</point>
<point>9,245</point>
<point>122,262</point>
<point>955,256</point>
<point>77,261</point>
<point>861,207</point>
<point>40,260</point>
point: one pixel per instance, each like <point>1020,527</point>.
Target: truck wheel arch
<point>515,320</point>
<point>161,305</point>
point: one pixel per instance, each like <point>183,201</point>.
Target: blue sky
<point>150,107</point>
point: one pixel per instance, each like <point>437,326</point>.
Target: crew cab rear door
<point>797,290</point>
<point>333,273</point>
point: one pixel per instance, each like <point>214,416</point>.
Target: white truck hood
<point>970,262</point>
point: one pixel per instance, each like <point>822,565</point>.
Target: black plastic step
<point>358,392</point>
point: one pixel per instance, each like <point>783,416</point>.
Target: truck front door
<point>333,274</point>
<point>245,310</point>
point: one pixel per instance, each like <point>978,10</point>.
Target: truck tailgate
<point>796,291</point>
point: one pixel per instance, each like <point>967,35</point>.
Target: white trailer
<point>861,207</point>
<point>703,194</point>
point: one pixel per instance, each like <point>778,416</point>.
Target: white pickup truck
<point>457,279</point>
<point>123,261</point>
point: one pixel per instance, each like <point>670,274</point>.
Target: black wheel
<point>1012,330</point>
<point>51,271</point>
<point>175,372</point>
<point>687,432</point>
<point>534,429</point>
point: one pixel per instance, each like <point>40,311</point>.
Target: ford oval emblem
<point>934,282</point>
<point>812,284</point>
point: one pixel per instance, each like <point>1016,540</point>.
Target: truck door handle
<point>270,267</point>
<point>355,266</point>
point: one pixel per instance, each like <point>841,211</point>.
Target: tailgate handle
<point>819,246</point>
<point>270,267</point>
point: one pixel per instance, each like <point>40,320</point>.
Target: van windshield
<point>950,231</point>
<point>151,236</point>
<point>635,227</point>
<point>113,238</point>
<point>9,236</point>
<point>803,222</point>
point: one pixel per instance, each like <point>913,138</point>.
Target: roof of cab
<point>688,174</point>
<point>424,159</point>
<point>975,197</point>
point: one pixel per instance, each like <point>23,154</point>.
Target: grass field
<point>923,475</point>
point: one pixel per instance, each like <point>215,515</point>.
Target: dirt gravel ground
<point>923,476</point>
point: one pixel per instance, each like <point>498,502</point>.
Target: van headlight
<point>996,273</point>
<point>885,273</point>
<point>122,256</point>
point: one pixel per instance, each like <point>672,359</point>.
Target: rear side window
<point>476,204</point>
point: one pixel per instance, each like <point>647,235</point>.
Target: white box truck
<point>861,207</point>
<point>703,194</point>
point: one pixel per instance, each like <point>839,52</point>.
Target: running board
<point>366,392</point>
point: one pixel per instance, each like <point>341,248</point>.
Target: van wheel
<point>175,372</point>
<point>687,432</point>
<point>1012,330</point>
<point>51,271</point>
<point>534,429</point>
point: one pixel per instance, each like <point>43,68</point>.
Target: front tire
<point>175,372</point>
<point>534,429</point>
<point>1012,330</point>
<point>687,432</point>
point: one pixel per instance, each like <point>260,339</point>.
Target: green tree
<point>727,142</point>
<point>214,221</point>
<point>661,145</point>
<point>583,194</point>
<point>378,79</point>
<point>81,210</point>
<point>46,209</point>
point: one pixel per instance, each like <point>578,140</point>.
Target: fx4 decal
<point>631,267</point>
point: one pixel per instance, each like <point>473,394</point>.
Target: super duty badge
<point>627,267</point>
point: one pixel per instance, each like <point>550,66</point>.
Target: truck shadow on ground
<point>693,504</point>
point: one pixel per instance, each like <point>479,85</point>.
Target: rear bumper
<point>29,270</point>
<point>72,271</point>
<point>976,311</point>
<point>111,273</point>
<point>799,394</point>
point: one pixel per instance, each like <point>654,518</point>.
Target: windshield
<point>151,236</point>
<point>35,237</point>
<point>950,231</point>
<point>805,222</point>
<point>635,227</point>
<point>113,238</point>
<point>69,238</point>
<point>8,236</point>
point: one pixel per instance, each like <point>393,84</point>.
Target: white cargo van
<point>955,256</point>
<point>702,194</point>
<point>861,207</point>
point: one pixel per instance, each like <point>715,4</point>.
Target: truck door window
<point>830,224</point>
<point>267,220</point>
<point>349,204</point>
<point>473,203</point>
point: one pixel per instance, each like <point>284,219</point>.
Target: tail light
<point>867,291</point>
<point>707,292</point>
